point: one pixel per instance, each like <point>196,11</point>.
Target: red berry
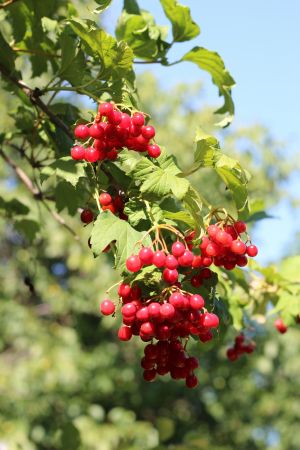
<point>138,119</point>
<point>212,249</point>
<point>111,207</point>
<point>106,109</point>
<point>191,381</point>
<point>223,238</point>
<point>178,249</point>
<point>196,301</point>
<point>134,130</point>
<point>82,132</point>
<point>177,300</point>
<point>231,354</point>
<point>124,333</point>
<point>146,255</point>
<point>149,375</point>
<point>196,281</point>
<point>92,154</point>
<point>143,314</point>
<point>209,320</point>
<point>133,263</point>
<point>107,307</point>
<point>124,290</point>
<point>240,227</point>
<point>154,310</point>
<point>151,351</point>
<point>238,247</point>
<point>252,250</point>
<point>126,121</point>
<point>87,216</point>
<point>170,276</point>
<point>128,310</point>
<point>197,261</point>
<point>242,261</point>
<point>192,363</point>
<point>96,131</point>
<point>148,329</point>
<point>105,199</point>
<point>147,363</point>
<point>205,337</point>
<point>153,150</point>
<point>116,117</point>
<point>213,230</point>
<point>281,327</point>
<point>159,258</point>
<point>186,259</point>
<point>78,152</point>
<point>171,262</point>
<point>148,132</point>
<point>206,273</point>
<point>167,311</point>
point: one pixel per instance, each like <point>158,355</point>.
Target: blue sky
<point>259,42</point>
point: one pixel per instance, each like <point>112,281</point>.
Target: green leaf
<point>259,215</point>
<point>65,168</point>
<point>7,55</point>
<point>208,154</point>
<point>29,228</point>
<point>131,6</point>
<point>181,216</point>
<point>66,196</point>
<point>193,203</point>
<point>103,4</point>
<point>141,33</point>
<point>109,228</point>
<point>115,56</point>
<point>183,26</point>
<point>162,180</point>
<point>213,64</point>
<point>13,207</point>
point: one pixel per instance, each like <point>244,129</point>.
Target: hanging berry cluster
<point>174,314</point>
<point>111,131</point>
<point>240,347</point>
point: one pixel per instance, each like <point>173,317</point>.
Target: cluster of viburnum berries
<point>111,131</point>
<point>113,204</point>
<point>175,314</point>
<point>240,347</point>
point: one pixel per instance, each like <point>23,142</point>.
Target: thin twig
<point>35,52</point>
<point>36,192</point>
<point>34,97</point>
<point>5,4</point>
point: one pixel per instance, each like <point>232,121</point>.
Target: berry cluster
<point>111,131</point>
<point>239,348</point>
<point>224,247</point>
<point>115,205</point>
<point>168,317</point>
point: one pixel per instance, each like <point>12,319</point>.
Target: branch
<point>22,176</point>
<point>33,95</point>
<point>36,192</point>
<point>5,4</point>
